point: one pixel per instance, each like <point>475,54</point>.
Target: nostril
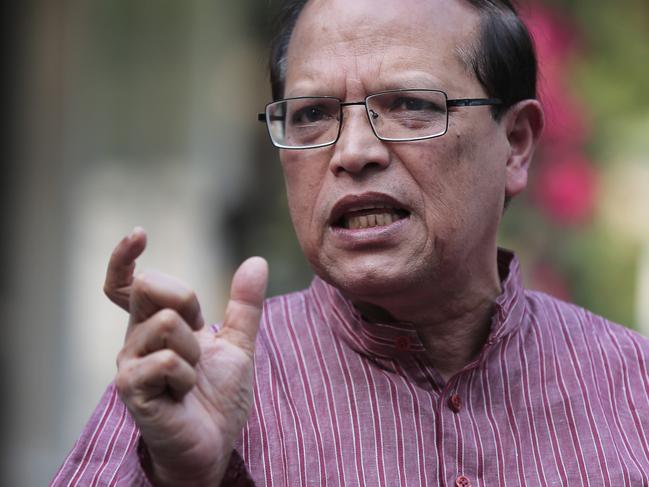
<point>373,165</point>
<point>367,167</point>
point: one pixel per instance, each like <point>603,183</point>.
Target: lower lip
<point>371,236</point>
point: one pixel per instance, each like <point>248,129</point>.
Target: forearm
<point>106,452</point>
<point>110,451</point>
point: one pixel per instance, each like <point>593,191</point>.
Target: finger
<point>247,294</point>
<point>161,373</point>
<point>119,275</point>
<point>164,330</point>
<point>152,291</point>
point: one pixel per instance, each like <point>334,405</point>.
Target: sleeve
<point>106,454</point>
<point>110,452</point>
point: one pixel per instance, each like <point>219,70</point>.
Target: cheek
<point>458,180</point>
<point>303,188</point>
<point>478,170</point>
<point>442,171</point>
<point>478,182</point>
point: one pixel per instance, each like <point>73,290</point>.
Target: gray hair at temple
<point>503,57</point>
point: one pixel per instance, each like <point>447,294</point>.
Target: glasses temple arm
<point>261,117</point>
<point>473,102</point>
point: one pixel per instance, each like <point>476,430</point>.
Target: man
<point>416,357</point>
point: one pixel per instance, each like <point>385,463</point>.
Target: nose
<point>358,149</point>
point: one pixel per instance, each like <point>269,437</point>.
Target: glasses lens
<point>408,114</point>
<point>303,122</point>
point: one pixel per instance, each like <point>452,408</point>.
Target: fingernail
<point>135,231</point>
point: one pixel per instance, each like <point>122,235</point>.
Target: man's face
<point>438,201</point>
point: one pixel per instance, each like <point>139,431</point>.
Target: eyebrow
<point>309,86</point>
<point>410,79</point>
<point>406,82</point>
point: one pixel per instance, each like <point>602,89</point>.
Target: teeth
<point>362,222</point>
<point>354,222</point>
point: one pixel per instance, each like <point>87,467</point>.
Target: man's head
<point>442,198</point>
<point>502,55</point>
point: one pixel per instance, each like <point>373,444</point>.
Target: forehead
<point>380,44</point>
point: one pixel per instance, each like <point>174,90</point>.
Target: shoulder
<point>289,308</point>
<point>572,323</point>
<point>287,322</point>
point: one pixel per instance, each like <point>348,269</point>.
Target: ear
<point>524,123</point>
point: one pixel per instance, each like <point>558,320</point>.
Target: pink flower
<point>565,187</point>
<point>546,278</point>
<point>556,44</point>
<point>553,34</point>
<point>565,123</point>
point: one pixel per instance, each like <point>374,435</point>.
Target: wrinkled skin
<point>454,186</point>
<point>188,389</point>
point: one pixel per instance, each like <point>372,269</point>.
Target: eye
<point>310,114</point>
<point>412,104</point>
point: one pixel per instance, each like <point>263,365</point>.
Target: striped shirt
<point>557,396</point>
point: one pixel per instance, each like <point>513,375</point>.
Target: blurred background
<point>121,113</point>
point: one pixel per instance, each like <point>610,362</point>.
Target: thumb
<point>243,312</point>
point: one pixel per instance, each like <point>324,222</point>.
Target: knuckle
<point>121,356</point>
<point>123,383</point>
<point>141,283</point>
<point>167,320</point>
<point>169,360</point>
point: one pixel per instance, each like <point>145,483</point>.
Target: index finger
<point>119,274</point>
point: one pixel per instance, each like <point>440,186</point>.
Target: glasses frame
<point>457,102</point>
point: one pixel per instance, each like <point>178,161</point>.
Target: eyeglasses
<point>309,122</point>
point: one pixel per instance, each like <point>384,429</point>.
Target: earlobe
<point>524,124</point>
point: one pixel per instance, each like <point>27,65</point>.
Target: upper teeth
<point>368,221</point>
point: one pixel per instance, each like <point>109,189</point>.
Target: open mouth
<point>377,216</point>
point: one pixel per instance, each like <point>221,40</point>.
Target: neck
<point>453,324</point>
<point>456,341</point>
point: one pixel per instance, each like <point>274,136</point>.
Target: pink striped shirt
<point>557,396</point>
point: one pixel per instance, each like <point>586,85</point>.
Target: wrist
<point>163,475</point>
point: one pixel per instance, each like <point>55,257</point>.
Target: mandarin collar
<point>389,340</point>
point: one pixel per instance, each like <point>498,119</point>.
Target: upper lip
<point>364,201</point>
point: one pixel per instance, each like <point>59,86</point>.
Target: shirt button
<point>462,481</point>
<point>402,343</point>
<point>455,403</point>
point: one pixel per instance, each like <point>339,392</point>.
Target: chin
<point>370,278</point>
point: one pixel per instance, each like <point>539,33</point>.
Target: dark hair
<point>503,57</point>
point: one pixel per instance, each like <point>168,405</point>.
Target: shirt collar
<point>383,340</point>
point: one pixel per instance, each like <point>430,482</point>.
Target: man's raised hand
<point>188,389</point>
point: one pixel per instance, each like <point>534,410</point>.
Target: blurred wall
<point>125,113</point>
